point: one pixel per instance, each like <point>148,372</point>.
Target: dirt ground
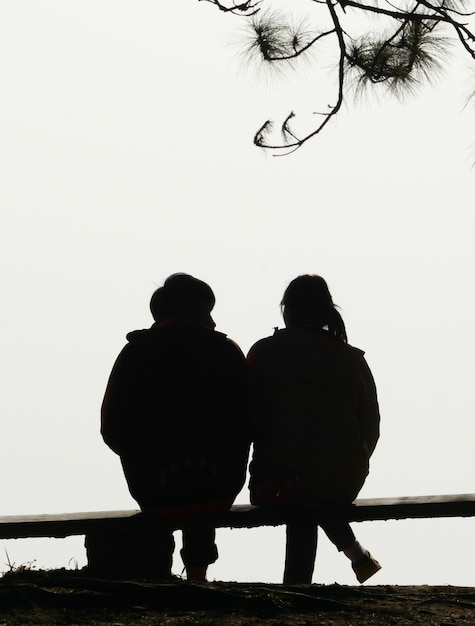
<point>71,597</point>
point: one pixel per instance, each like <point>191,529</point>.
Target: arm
<point>238,392</point>
<point>115,405</point>
<point>235,429</point>
<point>368,408</point>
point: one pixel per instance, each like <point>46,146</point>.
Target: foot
<point>196,573</point>
<point>365,567</point>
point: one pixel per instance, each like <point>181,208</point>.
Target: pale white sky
<point>126,155</point>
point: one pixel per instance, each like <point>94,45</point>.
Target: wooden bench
<point>240,516</point>
<point>126,544</point>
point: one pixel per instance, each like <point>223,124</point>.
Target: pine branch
<point>291,141</point>
<point>411,51</point>
<point>245,8</point>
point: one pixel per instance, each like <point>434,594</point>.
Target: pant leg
<point>199,547</point>
<point>339,533</point>
<point>300,552</point>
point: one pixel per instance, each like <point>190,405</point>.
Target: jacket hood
<point>156,330</point>
<point>136,335</point>
<point>315,355</point>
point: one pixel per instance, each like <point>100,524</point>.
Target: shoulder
<point>231,347</point>
<point>364,371</point>
<point>262,348</point>
<point>217,342</point>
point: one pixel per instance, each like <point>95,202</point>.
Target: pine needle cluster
<point>405,45</point>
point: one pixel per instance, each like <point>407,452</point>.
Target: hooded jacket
<point>316,415</point>
<point>176,411</point>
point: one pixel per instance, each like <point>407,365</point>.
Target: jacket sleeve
<point>237,381</point>
<point>115,405</point>
<point>235,385</point>
<point>368,407</point>
<point>256,383</point>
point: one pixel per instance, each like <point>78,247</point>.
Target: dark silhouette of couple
<point>183,406</point>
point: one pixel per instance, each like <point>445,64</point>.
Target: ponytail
<point>336,325</point>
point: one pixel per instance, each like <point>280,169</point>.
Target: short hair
<point>180,292</point>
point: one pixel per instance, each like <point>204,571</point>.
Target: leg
<point>300,552</point>
<point>199,550</point>
<point>340,534</point>
<point>363,563</point>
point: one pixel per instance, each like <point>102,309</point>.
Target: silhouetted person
<point>317,423</point>
<point>176,412</point>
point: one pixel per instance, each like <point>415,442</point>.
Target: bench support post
<point>135,554</point>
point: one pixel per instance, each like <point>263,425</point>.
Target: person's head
<point>184,297</point>
<point>307,302</point>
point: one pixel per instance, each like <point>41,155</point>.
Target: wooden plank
<point>67,517</point>
<point>413,507</point>
<point>407,507</point>
<point>64,524</point>
<point>240,516</point>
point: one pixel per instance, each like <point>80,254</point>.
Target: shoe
<point>365,567</point>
